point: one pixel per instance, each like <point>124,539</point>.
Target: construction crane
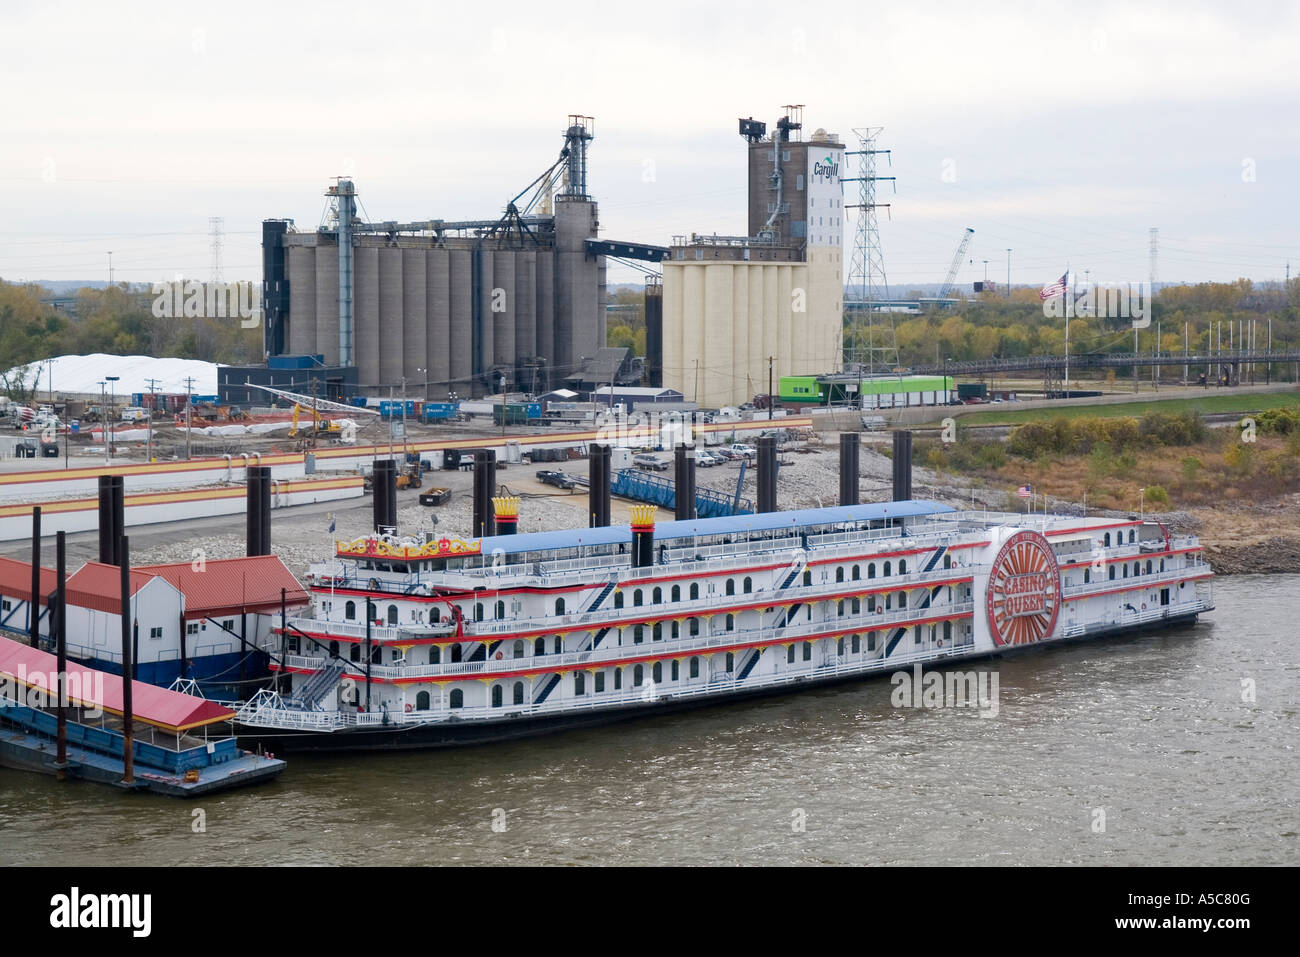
<point>956,264</point>
<point>314,404</point>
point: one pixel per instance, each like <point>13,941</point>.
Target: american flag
<point>1056,288</point>
<point>1024,491</point>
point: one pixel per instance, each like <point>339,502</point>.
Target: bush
<point>991,456</point>
<point>1279,421</point>
<point>1157,494</point>
<point>1238,458</point>
<point>1191,466</point>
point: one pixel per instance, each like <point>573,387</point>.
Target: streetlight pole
<point>112,400</point>
<point>103,415</point>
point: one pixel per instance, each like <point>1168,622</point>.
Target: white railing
<point>602,657</point>
<point>718,683</point>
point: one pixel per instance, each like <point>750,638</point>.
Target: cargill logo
<point>826,167</point>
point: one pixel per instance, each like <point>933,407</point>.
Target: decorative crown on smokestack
<point>506,507</point>
<point>643,516</point>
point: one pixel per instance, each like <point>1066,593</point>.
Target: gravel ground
<point>808,478</point>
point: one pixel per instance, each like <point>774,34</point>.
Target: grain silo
<point>734,304</point>
<point>460,307</point>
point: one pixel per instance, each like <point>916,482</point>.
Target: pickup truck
<point>744,451</point>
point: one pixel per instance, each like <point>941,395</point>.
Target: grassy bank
<point>1179,462</point>
<point>1251,402</point>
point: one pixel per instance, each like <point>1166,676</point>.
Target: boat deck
<point>33,752</point>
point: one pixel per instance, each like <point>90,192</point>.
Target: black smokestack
<point>598,481</point>
<point>643,536</point>
<point>485,485</point>
<point>902,466</point>
<point>767,473</point>
<point>850,446</point>
<point>684,477</point>
<point>106,535</point>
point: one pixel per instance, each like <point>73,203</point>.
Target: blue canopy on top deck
<point>731,524</point>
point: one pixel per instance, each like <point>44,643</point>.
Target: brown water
<point>1152,729</point>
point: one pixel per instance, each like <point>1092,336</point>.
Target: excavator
<point>320,425</point>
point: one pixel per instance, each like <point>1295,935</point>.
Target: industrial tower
<point>864,306</point>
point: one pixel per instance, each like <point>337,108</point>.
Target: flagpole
<point>1067,332</point>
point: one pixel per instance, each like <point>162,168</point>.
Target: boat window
<point>559,606</point>
<point>456,653</point>
<point>748,585</point>
<point>422,701</point>
<point>855,644</point>
<point>599,684</point>
<point>731,622</point>
<point>731,586</point>
<point>695,590</point>
<point>501,610</point>
<point>947,631</point>
<point>677,673</point>
<point>579,682</point>
<point>519,649</point>
<point>618,599</point>
<point>519,692</point>
<point>435,655</point>
<point>618,678</point>
<point>350,611</point>
<point>457,698</point>
<point>1107,540</point>
<point>392,614</point>
<point>557,644</point>
<point>677,593</point>
<point>789,655</point>
<point>636,634</point>
<point>871,641</point>
<point>857,573</point>
<point>947,561</point>
<point>496,696</point>
<point>857,606</point>
<point>636,598</point>
<point>435,616</point>
<point>886,569</point>
<point>478,611</point>
<point>1132,536</point>
<point>657,596</point>
<point>839,574</point>
<point>1086,575</point>
<point>807,651</point>
<point>1148,566</point>
<point>356,652</point>
<point>334,649</point>
<point>658,630</point>
<point>675,630</point>
<point>871,570</point>
<point>807,576</point>
<point>695,626</point>
<point>902,599</point>
<point>839,646</point>
<point>902,567</point>
<point>731,661</point>
<point>1112,572</point>
<point>695,667</point>
<point>658,672</point>
<point>638,674</point>
<point>871,603</point>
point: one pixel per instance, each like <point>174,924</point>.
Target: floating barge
<point>173,749</point>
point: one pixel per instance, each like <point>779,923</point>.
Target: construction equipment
<point>946,288</point>
<point>320,424</point>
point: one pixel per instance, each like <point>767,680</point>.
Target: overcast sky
<point>1063,131</point>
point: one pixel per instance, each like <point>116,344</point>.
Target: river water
<point>1136,750</point>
